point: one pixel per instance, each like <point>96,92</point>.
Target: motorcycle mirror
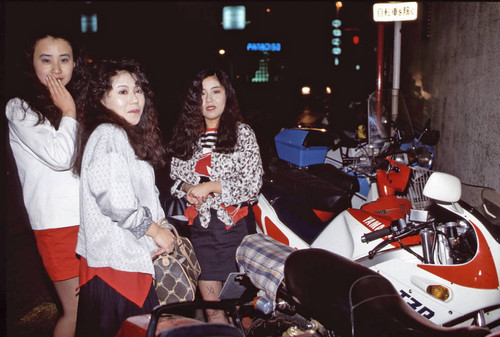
<point>443,187</point>
<point>431,137</point>
<point>427,124</point>
<point>491,205</point>
<point>428,136</point>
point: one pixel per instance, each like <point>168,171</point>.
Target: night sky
<point>174,39</point>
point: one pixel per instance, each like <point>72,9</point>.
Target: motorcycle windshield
<point>387,115</point>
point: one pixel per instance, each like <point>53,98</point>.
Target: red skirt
<point>57,249</point>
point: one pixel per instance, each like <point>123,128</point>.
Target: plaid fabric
<point>263,259</point>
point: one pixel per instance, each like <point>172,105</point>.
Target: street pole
<point>380,73</point>
<point>380,56</point>
<point>396,68</point>
<point>391,12</point>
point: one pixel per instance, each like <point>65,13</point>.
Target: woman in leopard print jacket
<point>216,165</point>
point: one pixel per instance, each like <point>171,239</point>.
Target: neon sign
<point>233,17</point>
<point>263,46</point>
<point>88,23</point>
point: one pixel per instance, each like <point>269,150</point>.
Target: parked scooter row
<point>395,231</point>
<point>414,275</point>
<point>438,258</point>
<point>314,292</point>
<point>389,131</point>
<point>331,296</point>
<point>405,261</point>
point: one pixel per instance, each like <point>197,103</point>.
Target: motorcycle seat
<point>292,211</point>
<point>353,300</point>
<point>335,177</point>
<point>323,187</point>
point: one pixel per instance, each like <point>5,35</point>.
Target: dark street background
<point>173,40</point>
<point>449,73</point>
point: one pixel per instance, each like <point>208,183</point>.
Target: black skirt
<point>102,310</point>
<point>215,246</point>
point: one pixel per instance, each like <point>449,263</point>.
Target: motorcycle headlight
<point>424,157</point>
<point>401,158</point>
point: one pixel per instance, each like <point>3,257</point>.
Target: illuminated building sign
<point>263,46</point>
<point>88,23</point>
<point>233,17</point>
<point>262,74</point>
<point>336,41</point>
<point>400,11</point>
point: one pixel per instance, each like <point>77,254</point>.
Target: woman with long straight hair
<point>43,125</point>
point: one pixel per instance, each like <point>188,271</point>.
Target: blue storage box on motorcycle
<point>298,146</point>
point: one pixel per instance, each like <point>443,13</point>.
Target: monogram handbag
<point>176,274</point>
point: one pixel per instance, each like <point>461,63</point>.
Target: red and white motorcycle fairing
<point>446,292</point>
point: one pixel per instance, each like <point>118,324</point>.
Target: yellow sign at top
<point>395,11</point>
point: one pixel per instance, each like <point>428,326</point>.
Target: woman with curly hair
<point>119,143</point>
<point>216,164</point>
<point>42,132</point>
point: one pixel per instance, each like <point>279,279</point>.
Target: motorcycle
<point>438,256</point>
<point>293,219</point>
<point>414,275</point>
<point>388,131</point>
<point>320,293</point>
<point>305,293</point>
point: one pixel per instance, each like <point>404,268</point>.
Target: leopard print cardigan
<point>239,173</point>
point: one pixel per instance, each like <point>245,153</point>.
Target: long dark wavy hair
<point>37,96</point>
<point>145,137</point>
<point>191,123</point>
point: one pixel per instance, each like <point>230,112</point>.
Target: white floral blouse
<point>239,173</point>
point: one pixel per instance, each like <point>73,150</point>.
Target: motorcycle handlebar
<point>376,234</point>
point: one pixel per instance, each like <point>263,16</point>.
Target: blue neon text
<point>251,46</point>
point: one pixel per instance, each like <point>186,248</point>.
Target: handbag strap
<point>163,223</point>
<point>179,245</point>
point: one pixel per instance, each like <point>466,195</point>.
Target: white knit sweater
<point>118,201</point>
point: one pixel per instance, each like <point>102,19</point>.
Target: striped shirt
<point>204,165</point>
<point>208,139</point>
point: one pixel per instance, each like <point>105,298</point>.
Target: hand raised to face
<point>61,96</point>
